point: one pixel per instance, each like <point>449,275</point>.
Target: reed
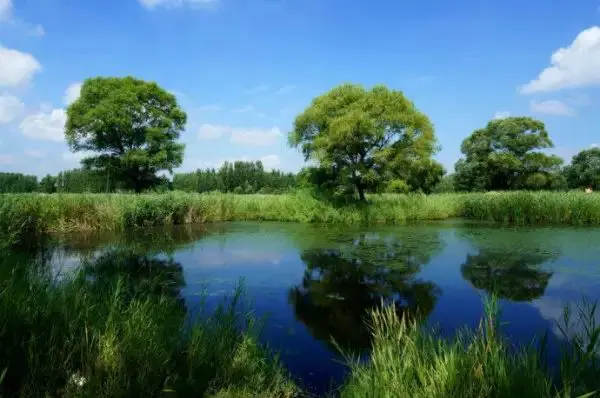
<point>407,361</point>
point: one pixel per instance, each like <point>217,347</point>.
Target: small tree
<point>363,138</point>
<point>48,184</point>
<point>584,170</point>
<point>132,125</point>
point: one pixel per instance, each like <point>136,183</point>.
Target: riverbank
<point>118,327</point>
<point>25,214</point>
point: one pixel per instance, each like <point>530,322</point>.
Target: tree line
<point>357,140</point>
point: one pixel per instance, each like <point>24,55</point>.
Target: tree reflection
<point>340,286</point>
<point>137,275</point>
<point>510,275</point>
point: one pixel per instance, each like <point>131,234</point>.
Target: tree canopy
<point>504,155</point>
<point>363,138</point>
<point>584,169</point>
<point>131,124</point>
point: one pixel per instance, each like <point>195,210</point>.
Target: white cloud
<point>243,109</point>
<point>286,89</point>
<point>211,131</point>
<point>501,115</point>
<point>210,108</point>
<point>257,89</point>
<point>255,136</point>
<point>11,108</point>
<point>72,93</point>
<point>76,157</point>
<point>242,136</point>
<point>5,10</point>
<point>152,4</point>
<point>573,66</point>
<point>595,145</point>
<point>552,107</point>
<point>16,68</point>
<point>34,153</point>
<point>270,161</point>
<point>45,125</point>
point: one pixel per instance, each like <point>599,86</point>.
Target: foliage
<point>17,183</point>
<point>117,328</point>
<point>133,125</point>
<point>584,170</point>
<point>504,156</point>
<point>445,185</point>
<point>407,361</point>
<point>363,138</point>
<point>251,177</point>
<point>48,184</point>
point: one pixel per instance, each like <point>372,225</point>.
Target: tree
<point>363,138</point>
<point>133,125</point>
<point>584,169</point>
<point>48,184</point>
<point>503,156</point>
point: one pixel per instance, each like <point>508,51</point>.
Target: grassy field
<point>26,214</point>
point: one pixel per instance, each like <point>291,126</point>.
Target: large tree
<point>363,138</point>
<point>505,155</point>
<point>131,124</point>
<point>584,169</point>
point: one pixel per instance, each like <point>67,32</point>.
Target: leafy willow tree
<point>504,156</point>
<point>584,169</point>
<point>363,138</point>
<point>132,124</point>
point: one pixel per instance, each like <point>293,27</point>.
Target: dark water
<point>318,283</point>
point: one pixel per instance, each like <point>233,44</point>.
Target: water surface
<point>316,284</point>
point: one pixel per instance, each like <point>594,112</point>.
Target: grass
<point>23,215</point>
<point>107,331</point>
<point>407,361</point>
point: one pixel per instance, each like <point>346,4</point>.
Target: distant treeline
<point>236,177</point>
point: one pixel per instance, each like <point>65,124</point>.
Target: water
<point>316,283</point>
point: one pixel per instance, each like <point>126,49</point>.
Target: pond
<point>316,284</point>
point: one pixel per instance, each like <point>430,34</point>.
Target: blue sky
<point>242,69</point>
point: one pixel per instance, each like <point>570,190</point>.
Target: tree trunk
<point>361,192</point>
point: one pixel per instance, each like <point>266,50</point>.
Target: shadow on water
<point>341,286</point>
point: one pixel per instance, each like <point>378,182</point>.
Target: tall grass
<point>22,215</point>
<point>114,337</point>
<point>407,361</point>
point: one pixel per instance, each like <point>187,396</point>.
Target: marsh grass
<point>407,361</point>
<point>85,337</point>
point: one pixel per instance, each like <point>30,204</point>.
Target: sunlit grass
<point>407,361</point>
<point>100,338</point>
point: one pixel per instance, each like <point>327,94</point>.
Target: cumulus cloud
<point>152,4</point>
<point>16,68</point>
<point>552,107</point>
<point>270,161</point>
<point>574,66</point>
<point>72,93</point>
<point>255,136</point>
<point>241,136</point>
<point>501,115</point>
<point>211,132</point>
<point>45,125</point>
<point>11,108</point>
